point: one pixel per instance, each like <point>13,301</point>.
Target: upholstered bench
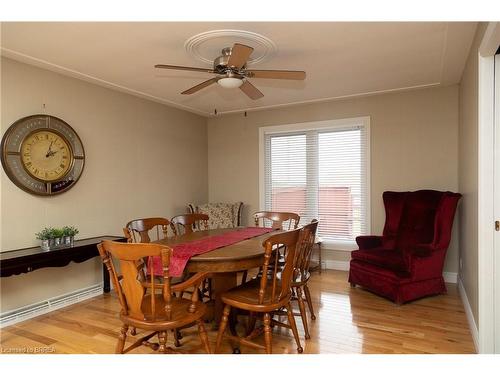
<point>221,215</point>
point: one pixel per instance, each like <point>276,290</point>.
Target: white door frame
<point>486,154</point>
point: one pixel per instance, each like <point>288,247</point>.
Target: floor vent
<point>27,312</point>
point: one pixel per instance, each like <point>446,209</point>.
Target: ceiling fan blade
<point>239,55</point>
<point>276,74</point>
<point>200,86</point>
<point>251,91</point>
<point>176,67</point>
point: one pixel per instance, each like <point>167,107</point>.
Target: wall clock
<point>42,155</point>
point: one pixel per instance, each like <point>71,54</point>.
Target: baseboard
<point>342,265</point>
<point>450,277</point>
<point>470,317</point>
<point>43,307</point>
<point>339,265</point>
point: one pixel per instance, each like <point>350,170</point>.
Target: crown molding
<point>329,99</point>
<point>18,56</point>
<point>21,57</point>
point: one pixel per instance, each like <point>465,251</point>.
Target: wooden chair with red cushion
<point>144,308</point>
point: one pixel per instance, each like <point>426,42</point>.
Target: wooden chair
<point>142,307</point>
<point>141,230</point>
<point>302,274</point>
<point>265,295</point>
<point>185,224</point>
<point>278,220</point>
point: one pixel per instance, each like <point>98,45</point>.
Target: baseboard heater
<point>28,312</point>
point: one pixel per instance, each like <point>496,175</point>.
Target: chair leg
<point>162,338</point>
<point>251,322</point>
<point>222,327</point>
<point>203,335</point>
<point>210,296</point>
<point>309,302</point>
<point>267,333</point>
<point>177,337</point>
<point>121,339</point>
<point>303,314</point>
<point>319,251</point>
<point>291,321</point>
<point>244,277</point>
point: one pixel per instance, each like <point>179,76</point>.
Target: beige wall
<point>414,145</point>
<point>468,173</point>
<point>132,170</point>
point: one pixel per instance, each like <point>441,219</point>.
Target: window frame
<point>336,124</point>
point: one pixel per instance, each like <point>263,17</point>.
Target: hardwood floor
<point>348,321</point>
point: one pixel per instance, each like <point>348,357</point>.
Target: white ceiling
<point>341,58</point>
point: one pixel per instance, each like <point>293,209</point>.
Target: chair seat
<point>246,296</point>
<point>179,310</point>
<point>386,258</point>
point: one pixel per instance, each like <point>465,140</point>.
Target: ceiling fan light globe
<point>230,82</point>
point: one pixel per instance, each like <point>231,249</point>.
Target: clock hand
<point>49,150</point>
<point>51,153</point>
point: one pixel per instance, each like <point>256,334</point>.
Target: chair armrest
<point>425,262</point>
<point>368,242</point>
<point>194,280</point>
<point>421,251</point>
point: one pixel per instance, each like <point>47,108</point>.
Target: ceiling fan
<point>232,72</point>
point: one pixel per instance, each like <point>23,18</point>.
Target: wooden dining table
<point>223,263</point>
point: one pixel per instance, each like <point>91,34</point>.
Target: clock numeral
<point>61,165</point>
<point>28,164</point>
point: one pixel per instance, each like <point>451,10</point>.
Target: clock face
<point>42,155</point>
<point>46,155</point>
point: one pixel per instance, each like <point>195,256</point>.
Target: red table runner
<point>183,252</point>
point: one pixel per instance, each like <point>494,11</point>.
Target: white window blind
<point>319,174</point>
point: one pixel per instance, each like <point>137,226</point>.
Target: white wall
<point>468,172</point>
<point>414,145</point>
<point>142,159</point>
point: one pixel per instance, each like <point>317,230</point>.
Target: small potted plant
<point>69,233</point>
<point>46,236</point>
<point>57,234</point>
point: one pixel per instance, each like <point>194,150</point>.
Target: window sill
<point>339,245</point>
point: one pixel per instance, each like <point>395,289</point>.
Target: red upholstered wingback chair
<point>406,262</point>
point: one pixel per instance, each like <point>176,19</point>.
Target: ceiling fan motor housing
<point>220,63</point>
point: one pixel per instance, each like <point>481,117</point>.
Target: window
<point>319,170</point>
